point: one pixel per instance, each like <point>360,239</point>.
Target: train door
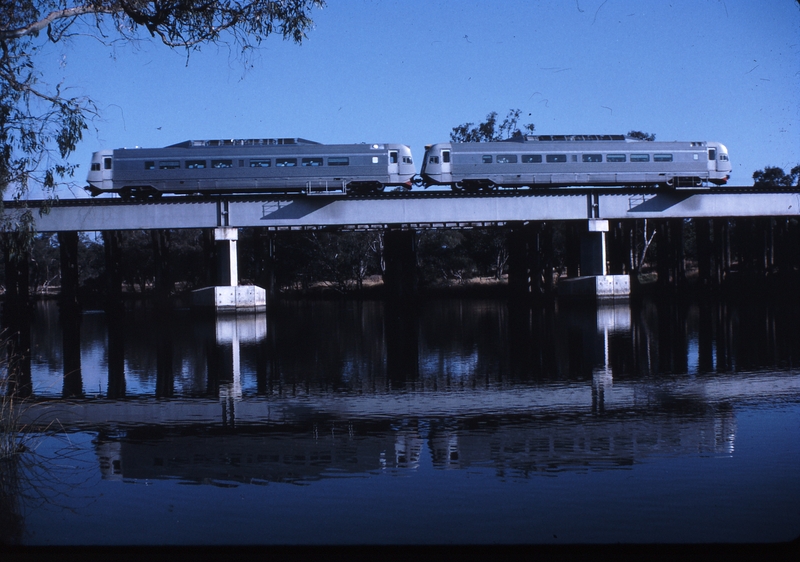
<point>445,161</point>
<point>712,159</point>
<point>394,162</point>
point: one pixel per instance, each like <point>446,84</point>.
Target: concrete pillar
<point>702,228</point>
<point>68,251</point>
<point>161,259</point>
<point>593,248</point>
<point>573,248</point>
<point>518,271</point>
<point>113,278</point>
<point>227,295</point>
<point>400,257</point>
<point>227,263</point>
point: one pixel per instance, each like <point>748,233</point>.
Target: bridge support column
<point>228,296</point>
<point>400,271</point>
<point>593,280</point>
<point>702,229</point>
<point>530,274</point>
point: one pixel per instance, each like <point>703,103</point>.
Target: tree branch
<point>56,15</point>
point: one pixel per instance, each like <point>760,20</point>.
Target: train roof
<point>239,142</point>
<point>548,138</point>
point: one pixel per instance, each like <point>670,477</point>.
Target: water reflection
<point>323,388</point>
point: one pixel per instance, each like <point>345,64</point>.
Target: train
<point>554,161</point>
<point>299,165</point>
<point>250,166</point>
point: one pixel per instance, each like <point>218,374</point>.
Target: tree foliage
<point>490,130</point>
<point>641,135</point>
<point>41,124</point>
<point>773,176</point>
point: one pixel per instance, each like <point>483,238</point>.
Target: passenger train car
<point>253,165</point>
<point>574,160</point>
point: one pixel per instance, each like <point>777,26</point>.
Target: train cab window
<point>640,158</point>
<point>712,153</point>
<point>392,157</point>
<point>445,156</point>
<point>313,161</point>
<point>407,159</point>
<point>106,163</point>
<point>556,157</point>
<point>285,162</point>
<point>531,158</point>
<point>339,161</point>
<point>723,157</point>
<point>592,158</point>
<point>487,158</point>
<point>195,164</point>
<point>222,164</point>
<point>662,157</point>
<point>615,158</point>
<point>149,165</point>
<point>433,160</point>
<point>260,163</point>
<point>96,166</point>
<point>169,164</point>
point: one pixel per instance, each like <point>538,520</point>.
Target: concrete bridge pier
<point>530,271</point>
<point>594,280</point>
<point>228,295</point>
<point>400,270</point>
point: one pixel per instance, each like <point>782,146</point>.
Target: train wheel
<point>458,187</point>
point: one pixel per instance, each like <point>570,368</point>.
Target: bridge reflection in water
<point>326,389</point>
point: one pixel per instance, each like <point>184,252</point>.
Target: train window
<point>260,163</point>
<point>556,157</point>
<point>531,158</point>
<point>487,158</point>
<point>149,165</point>
<point>339,161</point>
<point>107,163</point>
<point>96,166</point>
<point>723,157</point>
<point>169,164</point>
<point>592,157</point>
<point>662,157</point>
<point>507,159</point>
<point>433,160</point>
<point>615,158</point>
<point>712,153</point>
<point>640,158</point>
<point>392,157</point>
<point>285,162</point>
<point>222,164</point>
<point>445,156</point>
<point>313,161</point>
<point>407,159</point>
<point>195,164</point>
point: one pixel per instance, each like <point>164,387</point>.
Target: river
<point>452,421</point>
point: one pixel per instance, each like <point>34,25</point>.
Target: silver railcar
<point>248,166</point>
<point>574,160</point>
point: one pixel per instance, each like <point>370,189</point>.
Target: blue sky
<point>409,71</point>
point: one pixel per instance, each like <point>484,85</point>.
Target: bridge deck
<point>423,209</point>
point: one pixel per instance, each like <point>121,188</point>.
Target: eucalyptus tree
<point>41,124</point>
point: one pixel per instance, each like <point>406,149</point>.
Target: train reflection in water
<point>348,388</point>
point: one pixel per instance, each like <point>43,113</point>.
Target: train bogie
<point>248,166</point>
<point>574,160</point>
